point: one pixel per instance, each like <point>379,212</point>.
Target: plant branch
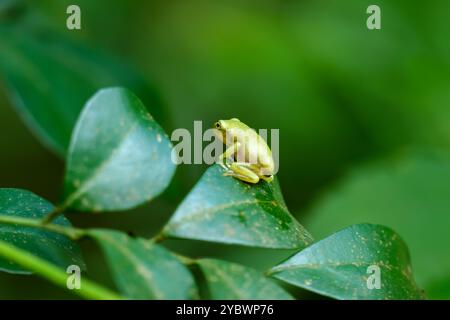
<point>70,232</point>
<point>52,215</point>
<point>185,260</point>
<point>158,237</point>
<point>89,289</point>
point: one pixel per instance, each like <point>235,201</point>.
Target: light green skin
<point>247,156</point>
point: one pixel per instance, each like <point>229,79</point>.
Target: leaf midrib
<point>315,266</point>
<point>87,184</point>
<point>211,211</point>
<point>228,281</point>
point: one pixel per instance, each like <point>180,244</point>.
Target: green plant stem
<point>89,289</point>
<point>185,260</point>
<point>52,215</point>
<point>70,232</point>
<point>158,237</point>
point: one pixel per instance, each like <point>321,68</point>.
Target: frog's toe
<point>228,173</point>
<point>225,166</point>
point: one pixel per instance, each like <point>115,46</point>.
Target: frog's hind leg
<point>240,172</point>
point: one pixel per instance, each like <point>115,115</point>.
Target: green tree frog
<point>247,156</point>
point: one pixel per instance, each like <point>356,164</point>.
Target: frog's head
<point>228,128</point>
<point>224,125</point>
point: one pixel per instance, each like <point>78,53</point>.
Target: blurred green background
<point>346,100</point>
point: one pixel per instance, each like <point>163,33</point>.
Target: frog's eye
<point>217,125</point>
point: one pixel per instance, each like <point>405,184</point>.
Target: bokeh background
<point>364,116</point>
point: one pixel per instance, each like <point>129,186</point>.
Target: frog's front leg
<point>242,172</point>
<point>229,152</point>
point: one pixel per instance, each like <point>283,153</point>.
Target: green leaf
<point>119,157</point>
<point>340,266</point>
<point>49,79</point>
<point>230,281</point>
<point>47,245</point>
<point>224,209</point>
<point>144,270</point>
<point>409,195</point>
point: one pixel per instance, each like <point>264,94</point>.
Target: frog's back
<point>256,145</point>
